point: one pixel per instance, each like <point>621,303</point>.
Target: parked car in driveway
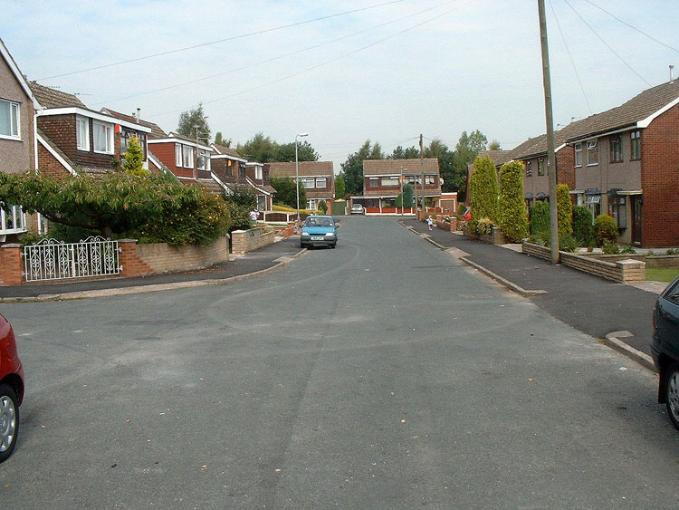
<point>357,209</point>
<point>319,231</point>
<point>665,348</point>
<point>11,390</point>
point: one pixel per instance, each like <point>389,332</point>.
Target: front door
<point>636,202</point>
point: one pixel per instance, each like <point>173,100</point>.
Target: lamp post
<point>297,137</point>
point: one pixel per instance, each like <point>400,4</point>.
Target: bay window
<point>9,120</point>
<point>103,137</point>
<point>82,133</point>
<point>12,219</point>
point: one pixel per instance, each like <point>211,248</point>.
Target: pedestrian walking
<point>430,222</point>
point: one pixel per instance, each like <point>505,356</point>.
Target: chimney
<point>671,69</point>
<point>137,115</point>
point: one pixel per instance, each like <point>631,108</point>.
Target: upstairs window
<point>635,138</point>
<point>578,154</point>
<point>9,120</point>
<point>103,137</point>
<point>258,173</point>
<point>82,133</point>
<point>592,153</point>
<point>390,181</point>
<point>308,182</point>
<point>187,156</point>
<point>616,149</point>
<point>178,155</point>
<point>529,169</point>
<point>430,179</point>
<point>541,167</point>
<point>321,182</point>
<point>373,182</point>
<point>203,160</point>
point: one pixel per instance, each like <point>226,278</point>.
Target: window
<point>82,133</point>
<point>321,182</point>
<point>616,149</point>
<point>12,219</point>
<point>311,205</point>
<point>592,153</point>
<point>429,179</point>
<point>390,181</point>
<point>412,179</point>
<point>308,182</point>
<point>529,169</point>
<point>178,155</point>
<point>258,173</point>
<point>578,154</point>
<point>187,156</point>
<point>203,160</point>
<point>103,137</point>
<point>241,170</point>
<point>9,120</point>
<point>541,166</point>
<point>618,207</point>
<point>635,138</point>
<point>374,182</point>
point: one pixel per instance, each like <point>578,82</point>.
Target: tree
<point>564,210</point>
<point>220,140</point>
<point>286,152</point>
<point>259,148</point>
<point>240,202</point>
<point>513,216</point>
<point>405,199</point>
<point>467,148</point>
<point>193,123</point>
<point>340,188</point>
<point>353,166</point>
<point>322,207</point>
<point>494,146</point>
<point>484,189</point>
<point>286,192</point>
<point>133,159</point>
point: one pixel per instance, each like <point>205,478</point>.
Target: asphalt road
<point>377,375</point>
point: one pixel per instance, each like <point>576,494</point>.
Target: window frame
<point>541,167</point>
<point>259,173</point>
<point>79,121</point>
<point>578,154</point>
<point>617,156</point>
<point>529,169</point>
<point>308,180</point>
<point>178,155</point>
<point>14,118</point>
<point>108,127</point>
<point>324,181</point>
<point>18,217</point>
<point>187,154</point>
<point>389,181</point>
<point>635,141</point>
<point>592,148</point>
<point>618,209</point>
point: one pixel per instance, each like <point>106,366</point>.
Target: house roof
<point>499,156</point>
<point>156,130</point>
<point>638,111</point>
<point>306,168</point>
<point>226,151</point>
<point>11,63</point>
<point>174,137</point>
<point>53,98</point>
<point>394,166</point>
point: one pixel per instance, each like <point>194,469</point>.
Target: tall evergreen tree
<point>484,189</point>
<point>133,160</point>
<point>513,215</point>
<point>193,123</point>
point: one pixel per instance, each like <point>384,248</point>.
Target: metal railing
<point>50,259</point>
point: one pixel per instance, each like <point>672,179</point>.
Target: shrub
<point>605,229</point>
<point>583,230</point>
<point>471,228</point>
<point>539,220</point>
<point>628,250</point>
<point>323,207</point>
<point>484,189</point>
<point>484,226</point>
<point>132,161</point>
<point>538,239</point>
<point>564,209</point>
<point>286,191</point>
<point>673,251</point>
<point>610,248</point>
<point>567,243</point>
<point>513,217</point>
<point>461,208</point>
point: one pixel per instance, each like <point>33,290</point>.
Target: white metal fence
<point>50,259</point>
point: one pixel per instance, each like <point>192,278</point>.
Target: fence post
<point>10,264</point>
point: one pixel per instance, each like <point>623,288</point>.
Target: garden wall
<point>244,241</point>
<point>654,261</point>
<point>535,250</point>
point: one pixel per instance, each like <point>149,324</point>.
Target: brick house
<point>236,172</point>
<point>18,149</point>
<point>317,177</point>
<point>626,163</point>
<point>73,140</point>
<point>498,156</point>
<point>382,183</point>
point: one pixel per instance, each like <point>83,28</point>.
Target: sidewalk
<point>588,303</point>
<point>259,260</point>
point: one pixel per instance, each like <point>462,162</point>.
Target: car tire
<point>302,245</point>
<point>333,245</point>
<point>672,393</point>
<point>9,421</point>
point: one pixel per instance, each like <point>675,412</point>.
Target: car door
<point>668,320</point>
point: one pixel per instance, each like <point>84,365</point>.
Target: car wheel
<point>9,421</point>
<point>333,245</point>
<point>672,394</point>
<point>302,245</point>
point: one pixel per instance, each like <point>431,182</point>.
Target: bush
<point>672,251</point>
<point>628,250</point>
<point>538,239</point>
<point>322,207</point>
<point>471,228</point>
<point>564,208</point>
<point>484,189</point>
<point>484,226</point>
<point>513,215</point>
<point>605,229</point>
<point>583,230</point>
<point>610,248</point>
<point>539,220</point>
<point>567,243</point>
<point>286,191</point>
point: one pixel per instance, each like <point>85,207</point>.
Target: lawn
<point>661,274</point>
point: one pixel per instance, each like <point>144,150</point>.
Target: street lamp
<point>297,137</point>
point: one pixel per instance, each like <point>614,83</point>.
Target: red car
<point>11,390</point>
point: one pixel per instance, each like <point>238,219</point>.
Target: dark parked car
<point>665,348</point>
<point>11,390</point>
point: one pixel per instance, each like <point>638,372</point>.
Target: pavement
<point>588,303</point>
<point>253,262</point>
<point>381,375</point>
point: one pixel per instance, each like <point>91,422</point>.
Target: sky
<point>386,72</point>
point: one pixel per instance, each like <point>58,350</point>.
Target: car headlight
<point>330,234</point>
<point>305,234</point>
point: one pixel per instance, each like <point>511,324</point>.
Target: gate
<point>50,259</point>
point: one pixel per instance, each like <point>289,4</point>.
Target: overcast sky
<point>436,67</point>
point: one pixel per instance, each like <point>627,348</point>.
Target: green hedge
<point>605,229</point>
<point>513,217</point>
<point>583,228</point>
<point>539,220</point>
<point>564,208</point>
<point>484,189</point>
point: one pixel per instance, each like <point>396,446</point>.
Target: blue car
<point>319,231</point>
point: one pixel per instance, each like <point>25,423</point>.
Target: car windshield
<point>358,206</point>
<point>318,222</point>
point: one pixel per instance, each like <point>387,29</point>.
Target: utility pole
<point>422,168</point>
<point>551,156</point>
<point>402,197</point>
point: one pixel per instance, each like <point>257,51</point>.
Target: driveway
<point>377,375</point>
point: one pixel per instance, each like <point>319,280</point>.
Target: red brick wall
<point>10,265</point>
<point>565,166</point>
<point>49,165</point>
<point>166,153</point>
<point>660,180</point>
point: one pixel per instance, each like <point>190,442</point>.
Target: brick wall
<point>49,165</point>
<point>11,269</point>
<point>244,241</point>
<point>565,166</point>
<point>660,180</point>
<point>535,250</point>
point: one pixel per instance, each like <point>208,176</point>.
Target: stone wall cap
<point>10,245</point>
<point>631,263</point>
<point>238,231</point>
<point>127,240</point>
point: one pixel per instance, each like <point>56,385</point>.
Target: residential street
<point>381,374</point>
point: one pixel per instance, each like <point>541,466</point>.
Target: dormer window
<point>178,155</point>
<point>187,156</point>
<point>103,137</point>
<point>82,133</point>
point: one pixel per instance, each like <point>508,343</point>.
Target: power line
<point>606,44</point>
<point>218,41</point>
<point>321,64</point>
<point>570,56</point>
<point>269,60</point>
<point>652,38</point>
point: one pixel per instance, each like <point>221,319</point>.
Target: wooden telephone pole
<point>551,155</point>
